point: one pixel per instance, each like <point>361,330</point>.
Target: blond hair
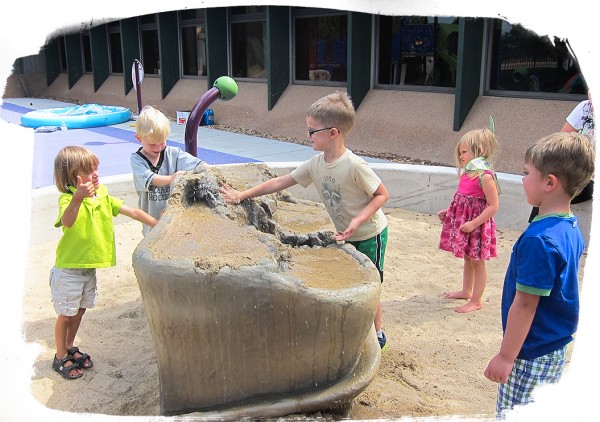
<point>568,156</point>
<point>481,143</point>
<point>152,125</point>
<point>334,110</point>
<point>70,162</point>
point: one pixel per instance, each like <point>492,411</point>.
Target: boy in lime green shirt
<point>86,212</point>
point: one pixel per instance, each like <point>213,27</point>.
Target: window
<point>62,54</point>
<point>320,45</point>
<point>193,42</point>
<point>248,37</point>
<point>114,45</point>
<point>150,49</point>
<point>86,52</point>
<point>417,51</point>
<point>522,61</point>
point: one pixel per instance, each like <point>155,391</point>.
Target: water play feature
<point>224,88</point>
<point>77,116</point>
<point>254,311</point>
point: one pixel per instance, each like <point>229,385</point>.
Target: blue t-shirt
<point>545,262</point>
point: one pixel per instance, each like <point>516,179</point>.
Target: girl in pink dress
<point>469,230</point>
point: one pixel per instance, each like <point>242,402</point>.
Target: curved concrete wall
<point>426,189</point>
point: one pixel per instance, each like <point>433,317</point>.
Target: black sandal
<point>59,365</point>
<point>80,361</point>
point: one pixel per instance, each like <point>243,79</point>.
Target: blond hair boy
<point>155,165</point>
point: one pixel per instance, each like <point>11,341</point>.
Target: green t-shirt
<point>90,241</point>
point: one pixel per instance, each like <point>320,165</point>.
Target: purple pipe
<point>138,84</point>
<point>193,121</point>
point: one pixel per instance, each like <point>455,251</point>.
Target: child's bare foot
<point>457,295</point>
<point>469,307</point>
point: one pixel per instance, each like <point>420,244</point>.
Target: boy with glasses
<point>351,191</point>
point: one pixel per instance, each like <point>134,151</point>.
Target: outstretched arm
<point>164,180</point>
<point>518,324</point>
<point>276,184</point>
<point>139,215</point>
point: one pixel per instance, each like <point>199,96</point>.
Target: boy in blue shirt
<point>540,299</point>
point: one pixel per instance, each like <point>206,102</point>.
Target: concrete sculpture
<point>253,310</point>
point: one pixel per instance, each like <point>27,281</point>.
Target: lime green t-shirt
<point>90,241</point>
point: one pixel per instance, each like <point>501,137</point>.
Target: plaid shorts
<point>525,376</point>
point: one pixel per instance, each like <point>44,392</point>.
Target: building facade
<point>418,82</point>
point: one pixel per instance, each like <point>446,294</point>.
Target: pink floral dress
<point>469,201</point>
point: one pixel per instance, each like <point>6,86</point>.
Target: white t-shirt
<point>582,119</point>
<point>345,186</point>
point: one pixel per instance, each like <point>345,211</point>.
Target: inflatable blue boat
<point>77,117</point>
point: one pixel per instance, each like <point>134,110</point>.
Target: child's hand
<point>468,227</point>
<point>176,174</point>
<point>346,234</point>
<point>498,369</point>
<point>200,168</point>
<point>229,194</point>
<point>84,190</point>
<point>442,215</point>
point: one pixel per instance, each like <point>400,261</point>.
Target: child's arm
<point>164,180</point>
<point>380,196</point>
<point>493,203</point>
<point>518,323</point>
<point>139,215</point>
<point>276,184</point>
<point>442,214</point>
<point>84,190</point>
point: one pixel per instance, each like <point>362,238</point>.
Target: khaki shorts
<point>73,288</point>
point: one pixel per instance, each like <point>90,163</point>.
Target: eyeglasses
<point>312,132</point>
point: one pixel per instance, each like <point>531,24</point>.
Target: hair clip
<point>491,123</point>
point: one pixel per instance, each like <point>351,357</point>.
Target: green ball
<point>227,87</point>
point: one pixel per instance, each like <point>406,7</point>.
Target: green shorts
<point>374,248</point>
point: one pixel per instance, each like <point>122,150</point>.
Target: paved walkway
<point>114,144</point>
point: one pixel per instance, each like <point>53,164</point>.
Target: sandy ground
<point>433,366</point>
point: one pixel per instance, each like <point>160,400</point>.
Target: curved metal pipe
<point>191,126</point>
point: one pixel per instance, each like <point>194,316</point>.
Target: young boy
<point>351,191</point>
<point>85,213</point>
<point>540,300</point>
<point>156,165</point>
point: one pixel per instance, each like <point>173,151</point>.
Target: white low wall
<point>429,189</point>
<point>426,189</point>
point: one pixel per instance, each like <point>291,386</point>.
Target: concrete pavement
<point>114,144</point>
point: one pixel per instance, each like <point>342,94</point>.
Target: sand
<point>433,366</point>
